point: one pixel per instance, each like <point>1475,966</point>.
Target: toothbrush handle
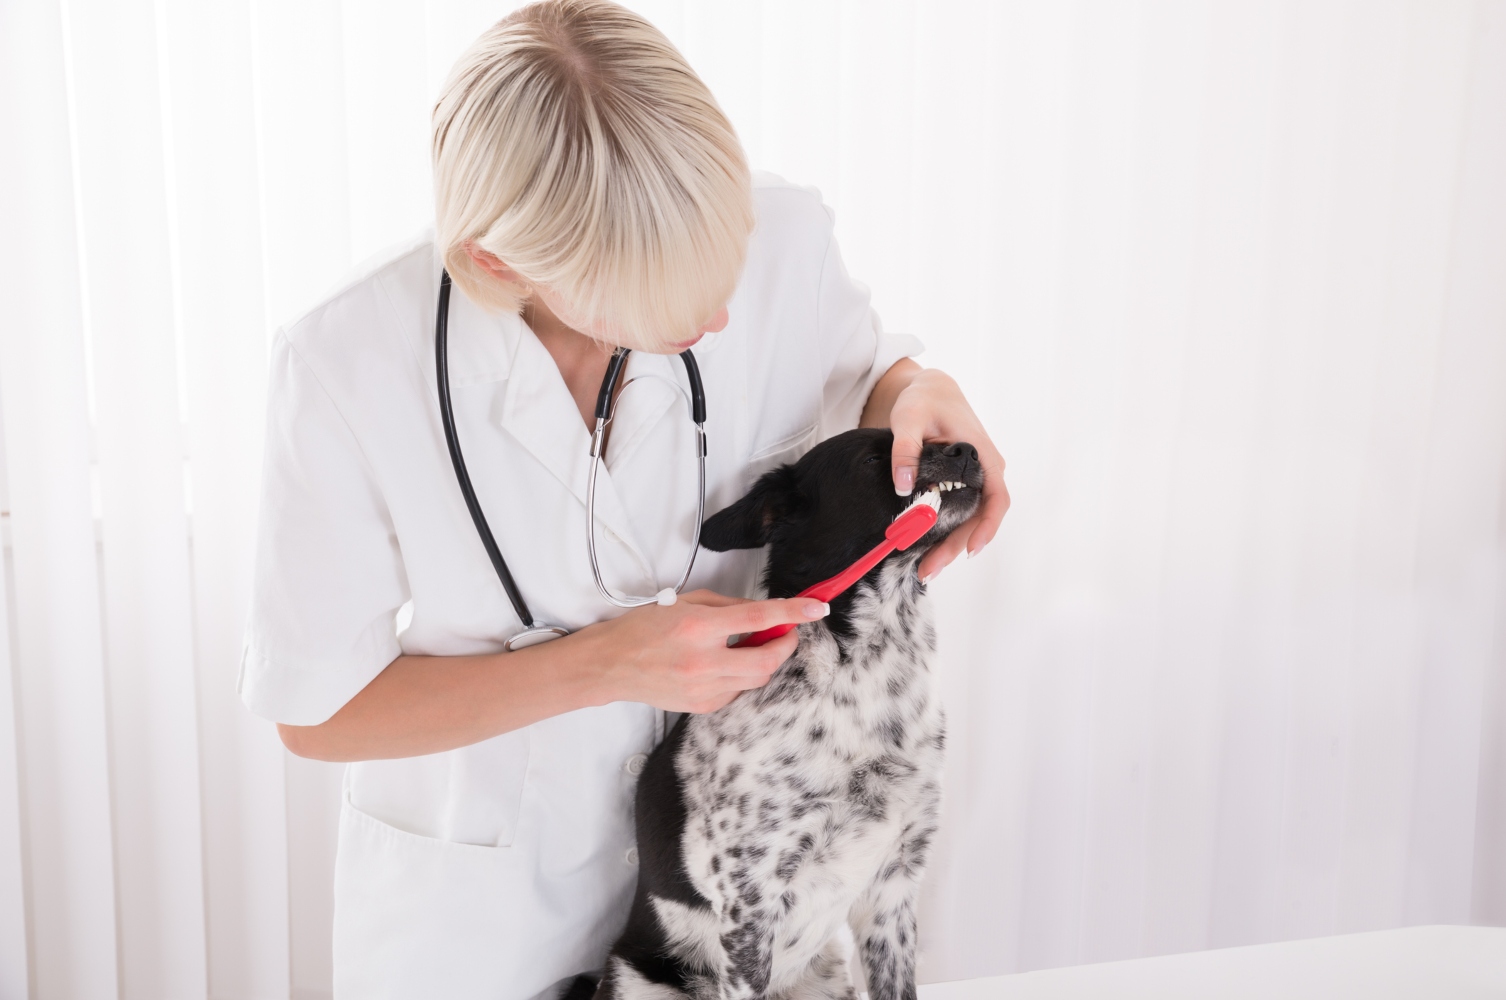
<point>759,638</point>
<point>823,591</point>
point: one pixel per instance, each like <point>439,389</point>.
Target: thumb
<point>905,458</point>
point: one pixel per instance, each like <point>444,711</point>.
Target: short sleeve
<point>328,574</point>
<point>863,351</point>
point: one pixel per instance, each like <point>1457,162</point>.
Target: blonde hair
<point>575,143</point>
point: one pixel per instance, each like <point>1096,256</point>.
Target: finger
<point>995,506</point>
<point>942,554</point>
<point>973,534</point>
<point>755,616</point>
<point>711,599</point>
<point>904,458</point>
<point>995,502</point>
<point>745,682</point>
<point>753,666</point>
<point>715,702</point>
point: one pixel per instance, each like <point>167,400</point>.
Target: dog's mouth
<point>953,500</point>
<point>943,486</point>
<point>930,493</point>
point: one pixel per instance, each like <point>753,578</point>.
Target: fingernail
<point>904,480</point>
<point>815,609</point>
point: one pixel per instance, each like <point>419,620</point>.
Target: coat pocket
<point>422,917</point>
<point>472,795</point>
<point>795,445</point>
<point>486,791</point>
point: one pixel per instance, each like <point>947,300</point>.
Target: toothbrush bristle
<point>930,498</point>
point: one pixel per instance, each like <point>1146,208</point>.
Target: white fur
<point>632,986</point>
<point>810,804</point>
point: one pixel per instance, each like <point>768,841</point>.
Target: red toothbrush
<point>906,530</point>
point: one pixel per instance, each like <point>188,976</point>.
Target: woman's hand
<point>676,658</point>
<point>924,404</point>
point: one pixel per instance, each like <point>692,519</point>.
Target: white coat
<point>494,871</point>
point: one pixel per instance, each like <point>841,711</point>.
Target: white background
<point>1227,280</point>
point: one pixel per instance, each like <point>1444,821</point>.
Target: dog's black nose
<point>961,450</point>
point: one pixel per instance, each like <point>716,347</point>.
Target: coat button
<point>631,857</point>
<point>635,764</point>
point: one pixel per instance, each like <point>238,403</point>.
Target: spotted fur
<point>810,803</point>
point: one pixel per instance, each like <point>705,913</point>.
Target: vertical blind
<point>1226,280</point>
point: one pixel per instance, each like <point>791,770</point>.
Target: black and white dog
<point>809,803</point>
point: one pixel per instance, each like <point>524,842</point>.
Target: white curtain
<point>1226,280</point>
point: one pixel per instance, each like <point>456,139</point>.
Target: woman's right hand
<point>677,658</point>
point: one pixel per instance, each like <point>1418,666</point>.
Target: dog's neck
<point>879,631</point>
<point>885,599</point>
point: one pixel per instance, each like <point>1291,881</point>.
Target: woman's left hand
<point>932,408</point>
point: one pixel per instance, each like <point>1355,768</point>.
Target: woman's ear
<point>491,263</point>
<point>747,523</point>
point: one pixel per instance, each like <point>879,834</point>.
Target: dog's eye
<point>873,458</point>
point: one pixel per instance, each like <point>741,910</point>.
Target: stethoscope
<point>534,631</point>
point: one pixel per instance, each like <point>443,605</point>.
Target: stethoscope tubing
<point>463,477</point>
<point>604,408</point>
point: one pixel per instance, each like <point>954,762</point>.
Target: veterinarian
<point>589,193</point>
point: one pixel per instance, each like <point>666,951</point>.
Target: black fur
<point>821,514</point>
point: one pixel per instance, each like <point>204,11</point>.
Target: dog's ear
<point>747,523</point>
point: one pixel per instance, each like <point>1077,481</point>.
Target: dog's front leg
<point>749,946</point>
<point>883,919</point>
<point>884,925</point>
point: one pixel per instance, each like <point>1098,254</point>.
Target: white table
<point>1414,963</point>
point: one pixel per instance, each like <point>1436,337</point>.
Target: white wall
<point>1225,279</point>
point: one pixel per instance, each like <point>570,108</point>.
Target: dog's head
<point>822,513</point>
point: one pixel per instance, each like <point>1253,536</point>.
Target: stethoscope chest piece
<point>534,635</point>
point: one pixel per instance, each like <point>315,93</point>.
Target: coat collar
<point>533,405</point>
